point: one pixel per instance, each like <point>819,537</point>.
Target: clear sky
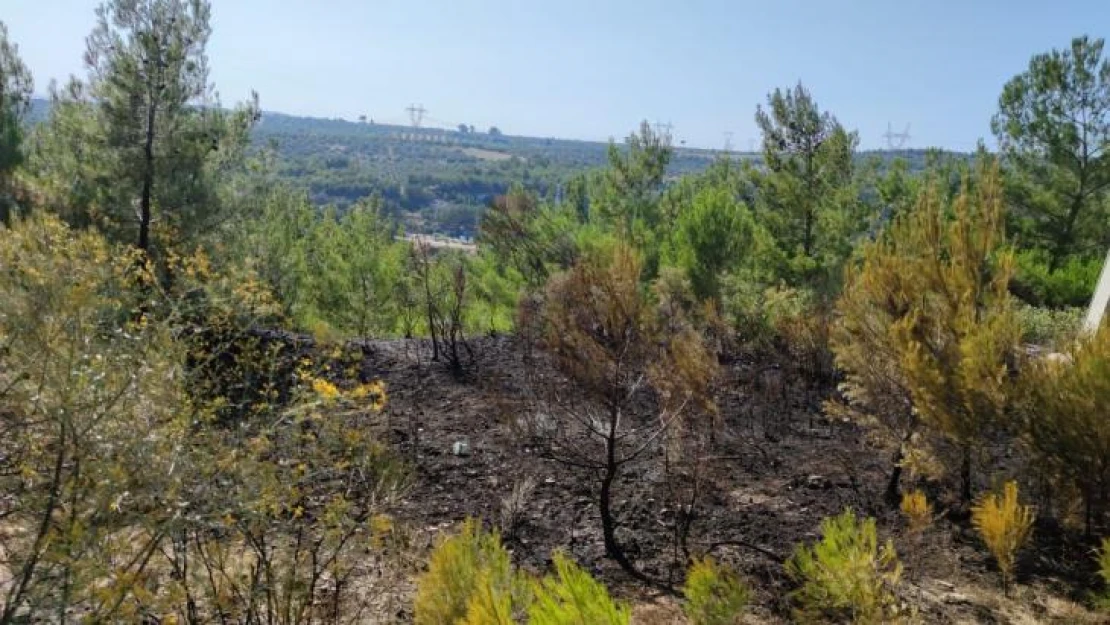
<point>592,69</point>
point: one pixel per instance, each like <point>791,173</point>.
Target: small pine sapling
<point>715,595</point>
<point>572,597</point>
<point>846,576</point>
<point>1005,525</point>
<point>469,568</point>
<point>918,513</point>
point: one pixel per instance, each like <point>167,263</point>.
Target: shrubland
<point>186,437</point>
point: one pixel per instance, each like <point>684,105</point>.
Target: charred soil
<point>776,468</point>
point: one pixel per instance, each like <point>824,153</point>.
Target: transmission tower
<point>416,114</point>
<point>728,140</point>
<point>896,140</point>
<point>663,130</point>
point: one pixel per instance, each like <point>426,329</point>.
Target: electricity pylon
<point>416,114</point>
<point>896,140</point>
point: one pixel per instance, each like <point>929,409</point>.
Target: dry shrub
<point>917,511</point>
<point>514,505</point>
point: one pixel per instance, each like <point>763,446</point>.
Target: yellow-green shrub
<point>489,604</point>
<point>846,576</point>
<point>471,567</point>
<point>715,595</point>
<point>572,597</point>
<point>1004,525</point>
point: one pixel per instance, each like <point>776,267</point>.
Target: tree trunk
<point>893,490</point>
<point>148,180</point>
<point>605,502</point>
<point>893,485</point>
<point>965,475</point>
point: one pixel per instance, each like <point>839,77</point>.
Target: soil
<point>779,467</point>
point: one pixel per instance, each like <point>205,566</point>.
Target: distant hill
<point>437,180</point>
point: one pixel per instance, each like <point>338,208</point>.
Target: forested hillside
<point>439,181</point>
<point>665,385</point>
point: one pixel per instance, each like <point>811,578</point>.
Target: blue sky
<point>592,69</point>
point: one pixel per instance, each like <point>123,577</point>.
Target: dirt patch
<point>486,155</point>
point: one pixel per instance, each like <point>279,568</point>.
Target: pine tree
<point>807,199</point>
<point>1066,425</point>
<point>926,327</point>
<point>616,350</point>
<point>1053,125</point>
<point>160,138</point>
<point>15,99</point>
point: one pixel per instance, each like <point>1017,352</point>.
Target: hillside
<point>436,180</point>
<point>447,175</point>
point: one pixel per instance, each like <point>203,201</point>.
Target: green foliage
<point>469,580</point>
<point>710,237</point>
<point>350,274</point>
<point>1053,125</point>
<point>1070,284</point>
<point>352,265</point>
<point>807,197</point>
<point>1005,525</point>
<point>1052,328</point>
<point>15,100</point>
<point>715,595</point>
<point>90,413</point>
<point>149,161</point>
<point>846,575</point>
<point>628,196</point>
<point>572,597</point>
<point>137,504</point>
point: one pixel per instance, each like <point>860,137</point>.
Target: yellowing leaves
<point>1005,525</point>
<point>325,389</point>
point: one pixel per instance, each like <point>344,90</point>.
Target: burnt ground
<point>778,468</point>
